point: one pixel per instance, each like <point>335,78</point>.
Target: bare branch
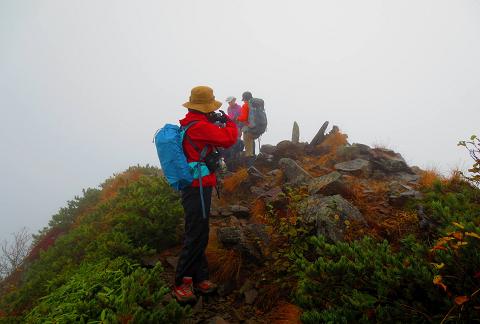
<point>12,254</point>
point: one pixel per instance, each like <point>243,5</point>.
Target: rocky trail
<point>343,191</point>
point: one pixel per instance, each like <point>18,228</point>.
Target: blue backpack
<point>178,172</point>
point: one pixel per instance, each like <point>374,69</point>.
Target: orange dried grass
<point>258,212</point>
<point>285,313</point>
<point>335,140</point>
<point>232,182</point>
<point>224,264</point>
<point>428,177</point>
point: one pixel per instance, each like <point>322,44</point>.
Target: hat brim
<point>203,107</point>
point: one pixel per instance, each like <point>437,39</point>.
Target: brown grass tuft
<point>258,212</point>
<point>335,140</point>
<point>285,313</point>
<point>428,177</point>
<point>232,182</point>
<point>223,264</point>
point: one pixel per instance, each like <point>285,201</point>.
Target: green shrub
<point>365,281</point>
<point>134,215</point>
<point>111,291</point>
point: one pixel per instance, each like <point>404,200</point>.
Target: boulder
<point>295,133</point>
<point>275,197</point>
<point>331,215</point>
<point>329,184</point>
<point>390,161</point>
<point>254,173</point>
<point>240,211</point>
<point>399,200</point>
<point>407,177</point>
<point>355,151</point>
<point>320,136</point>
<point>268,149</point>
<point>248,240</point>
<point>288,149</point>
<point>229,236</point>
<point>356,167</point>
<point>294,173</point>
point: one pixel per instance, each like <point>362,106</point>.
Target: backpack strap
<point>199,166</point>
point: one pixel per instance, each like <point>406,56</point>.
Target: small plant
<point>473,147</point>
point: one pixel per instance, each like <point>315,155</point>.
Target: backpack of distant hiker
<point>169,143</point>
<point>257,118</point>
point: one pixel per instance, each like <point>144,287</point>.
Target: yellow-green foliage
<point>135,214</point>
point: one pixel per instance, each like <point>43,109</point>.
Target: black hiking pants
<point>192,261</point>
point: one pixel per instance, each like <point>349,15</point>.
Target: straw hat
<point>203,100</point>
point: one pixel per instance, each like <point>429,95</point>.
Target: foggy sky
<point>85,84</point>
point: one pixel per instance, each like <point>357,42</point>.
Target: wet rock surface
<point>294,173</point>
<point>331,215</point>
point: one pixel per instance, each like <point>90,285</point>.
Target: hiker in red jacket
<point>203,136</point>
<point>248,139</point>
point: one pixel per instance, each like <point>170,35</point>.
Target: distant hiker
<point>233,110</point>
<point>202,138</point>
<point>254,118</point>
<point>248,140</point>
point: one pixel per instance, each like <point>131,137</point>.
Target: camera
<point>220,117</point>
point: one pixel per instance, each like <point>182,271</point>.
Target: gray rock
<point>268,149</point>
<point>240,211</point>
<point>295,133</point>
<point>357,166</point>
<point>355,151</point>
<point>407,177</point>
<point>329,184</point>
<point>275,196</point>
<point>248,240</point>
<point>255,173</point>
<point>294,173</point>
<point>396,187</point>
<point>288,149</point>
<point>399,200</point>
<point>250,296</point>
<point>229,235</point>
<point>390,161</point>
<point>320,136</point>
<point>331,215</point>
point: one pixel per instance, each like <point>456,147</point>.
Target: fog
<point>84,85</point>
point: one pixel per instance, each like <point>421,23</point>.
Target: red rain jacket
<point>244,113</point>
<point>202,133</point>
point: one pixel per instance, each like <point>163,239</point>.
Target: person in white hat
<point>233,110</point>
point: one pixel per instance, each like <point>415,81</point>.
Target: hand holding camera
<point>220,117</point>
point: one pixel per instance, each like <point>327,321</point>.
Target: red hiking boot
<point>206,287</point>
<point>184,292</point>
